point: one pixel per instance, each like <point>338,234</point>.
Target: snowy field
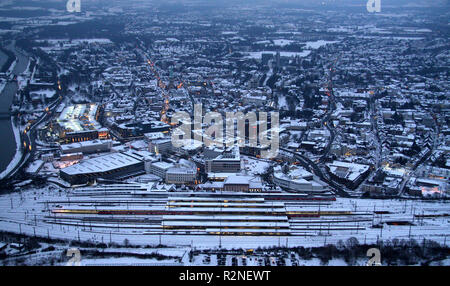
<point>317,44</point>
<point>257,55</point>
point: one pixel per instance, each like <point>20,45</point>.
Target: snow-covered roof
<point>102,164</point>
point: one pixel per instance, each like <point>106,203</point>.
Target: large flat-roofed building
<point>80,136</point>
<point>86,147</point>
<point>160,146</point>
<point>78,123</point>
<point>140,128</point>
<point>228,162</point>
<point>181,176</point>
<point>188,147</point>
<point>211,152</point>
<point>428,187</point>
<point>234,183</point>
<point>257,100</point>
<point>350,174</point>
<point>71,156</point>
<point>238,183</point>
<point>112,166</point>
<point>159,168</point>
<point>299,180</point>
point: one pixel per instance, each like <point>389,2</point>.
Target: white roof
<point>238,180</point>
<point>101,164</point>
<point>181,170</point>
<point>163,165</point>
<point>95,142</point>
<point>354,169</point>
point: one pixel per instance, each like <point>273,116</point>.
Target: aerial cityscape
<point>224,133</point>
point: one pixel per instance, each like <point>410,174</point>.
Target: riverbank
<point>11,151</point>
<point>18,154</point>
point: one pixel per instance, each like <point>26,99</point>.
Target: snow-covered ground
<point>282,103</point>
<point>317,44</point>
<point>12,67</point>
<point>25,212</point>
<point>282,42</point>
<point>257,55</point>
<point>127,261</point>
<point>255,167</point>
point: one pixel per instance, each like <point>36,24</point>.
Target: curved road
<point>308,163</point>
<point>28,136</point>
<point>9,144</point>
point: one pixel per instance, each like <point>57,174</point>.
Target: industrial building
<point>299,180</point>
<point>350,174</point>
<point>78,123</point>
<point>227,162</point>
<point>87,147</point>
<point>112,166</point>
<point>235,183</point>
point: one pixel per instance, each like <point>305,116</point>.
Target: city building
<point>77,123</point>
<point>299,180</point>
<point>227,162</point>
<point>350,174</point>
<point>86,147</point>
<point>181,175</point>
<point>112,166</point>
<point>159,168</point>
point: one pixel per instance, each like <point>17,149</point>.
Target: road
<point>308,163</point>
<point>9,144</point>
<point>28,138</point>
<point>331,108</point>
<point>162,86</point>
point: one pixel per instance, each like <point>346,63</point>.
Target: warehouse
<point>350,174</point>
<point>86,147</point>
<point>111,166</point>
<point>235,183</point>
<point>300,180</point>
